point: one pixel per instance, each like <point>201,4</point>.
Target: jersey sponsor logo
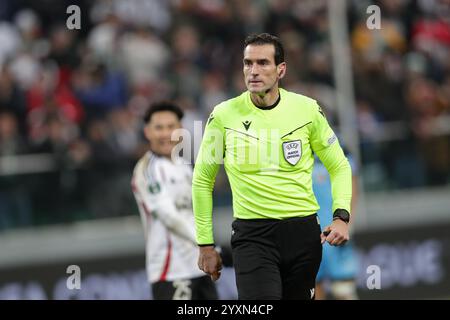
<point>247,124</point>
<point>183,202</point>
<point>292,151</point>
<point>154,188</point>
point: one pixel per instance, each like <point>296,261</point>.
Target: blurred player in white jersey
<point>162,188</point>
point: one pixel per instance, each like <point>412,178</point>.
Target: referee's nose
<point>254,70</point>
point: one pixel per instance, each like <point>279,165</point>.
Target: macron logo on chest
<point>247,124</point>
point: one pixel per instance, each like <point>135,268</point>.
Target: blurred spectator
<point>12,99</point>
<point>432,37</point>
<point>186,45</point>
<point>372,43</point>
<point>214,91</point>
<point>125,135</point>
<point>79,94</point>
<point>250,13</point>
<point>29,25</point>
<point>11,142</point>
<point>15,206</point>
<point>319,65</point>
<point>150,13</point>
<point>25,69</point>
<point>99,89</point>
<point>108,170</point>
<point>49,93</point>
<point>145,56</point>
<point>63,50</point>
<point>54,192</point>
<point>187,61</point>
<point>103,41</point>
<point>10,40</point>
<point>424,105</point>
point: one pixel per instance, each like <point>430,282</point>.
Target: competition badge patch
<point>292,151</point>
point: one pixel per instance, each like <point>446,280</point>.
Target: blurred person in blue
<point>339,265</point>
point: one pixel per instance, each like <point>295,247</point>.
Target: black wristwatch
<point>341,214</point>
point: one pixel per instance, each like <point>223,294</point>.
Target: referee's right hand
<point>210,262</point>
<point>335,234</point>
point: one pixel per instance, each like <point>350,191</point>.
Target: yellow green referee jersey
<point>268,157</point>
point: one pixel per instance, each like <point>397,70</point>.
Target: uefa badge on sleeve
<point>292,151</point>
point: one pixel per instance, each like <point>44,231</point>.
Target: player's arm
<point>156,200</point>
<point>141,207</point>
<point>326,145</point>
<point>209,158</point>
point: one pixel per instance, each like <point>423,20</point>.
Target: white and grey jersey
<point>163,192</point>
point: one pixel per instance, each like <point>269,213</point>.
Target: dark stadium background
<point>71,106</point>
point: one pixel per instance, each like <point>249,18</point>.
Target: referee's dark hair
<point>163,106</point>
<point>266,38</point>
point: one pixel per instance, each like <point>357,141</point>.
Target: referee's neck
<point>268,98</point>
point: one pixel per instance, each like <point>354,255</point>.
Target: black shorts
<point>276,259</point>
<point>201,288</point>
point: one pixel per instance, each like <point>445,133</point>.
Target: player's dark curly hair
<point>163,106</point>
<point>266,38</point>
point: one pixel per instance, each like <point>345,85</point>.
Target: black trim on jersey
<point>242,133</point>
<point>207,245</point>
<point>272,106</point>
<point>287,134</point>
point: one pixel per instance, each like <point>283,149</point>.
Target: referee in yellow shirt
<point>266,138</point>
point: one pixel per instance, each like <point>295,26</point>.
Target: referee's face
<point>260,71</point>
<point>158,132</point>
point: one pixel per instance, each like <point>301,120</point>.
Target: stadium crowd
<point>80,95</point>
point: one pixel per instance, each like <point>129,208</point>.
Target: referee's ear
<point>281,70</point>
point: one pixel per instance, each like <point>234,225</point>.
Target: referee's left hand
<point>336,234</point>
<point>210,262</point>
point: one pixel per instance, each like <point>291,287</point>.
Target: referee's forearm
<point>340,175</point>
<point>202,203</point>
<point>341,186</point>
